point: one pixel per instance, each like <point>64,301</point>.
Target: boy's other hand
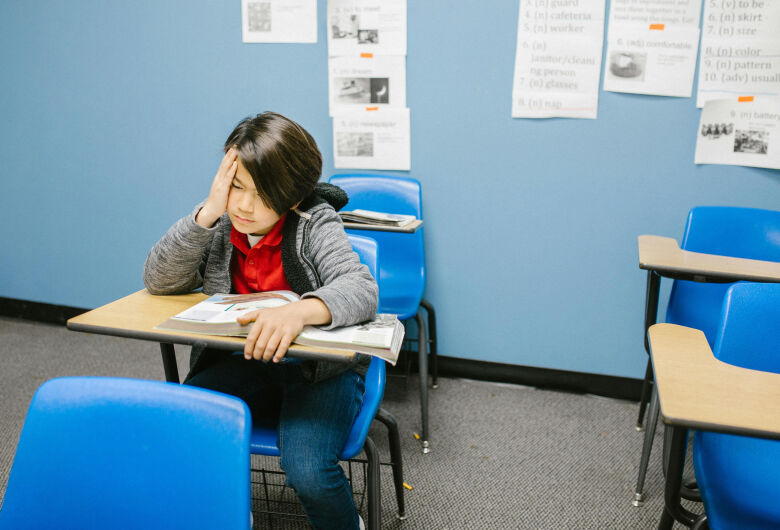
<point>216,204</point>
<point>275,328</point>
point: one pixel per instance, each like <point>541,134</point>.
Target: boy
<point>266,225</point>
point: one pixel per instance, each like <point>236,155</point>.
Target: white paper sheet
<point>652,47</point>
<point>558,59</point>
<point>367,81</point>
<point>740,133</point>
<point>657,61</point>
<point>646,12</point>
<point>372,139</point>
<point>375,26</point>
<point>279,20</point>
<point>740,49</point>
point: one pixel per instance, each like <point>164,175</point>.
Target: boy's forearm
<point>313,311</point>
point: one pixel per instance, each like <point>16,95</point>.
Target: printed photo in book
<point>217,315</point>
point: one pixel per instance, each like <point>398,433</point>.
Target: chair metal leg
<point>373,486</point>
<point>396,462</point>
<point>647,445</point>
<point>672,504</point>
<point>433,342</point>
<point>423,362</point>
<point>645,396</point>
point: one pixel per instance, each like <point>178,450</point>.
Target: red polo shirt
<point>259,268</point>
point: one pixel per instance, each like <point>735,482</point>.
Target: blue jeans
<point>314,421</point>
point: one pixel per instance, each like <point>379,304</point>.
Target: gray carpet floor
<point>503,456</point>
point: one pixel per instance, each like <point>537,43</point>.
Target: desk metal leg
<point>651,316</point>
<point>672,508</point>
<point>423,362</point>
<point>647,445</point>
<point>169,362</point>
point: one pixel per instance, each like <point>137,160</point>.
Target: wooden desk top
<point>408,229</point>
<point>135,316</point>
<point>697,390</point>
<point>664,255</point>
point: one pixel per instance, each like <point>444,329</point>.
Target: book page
<point>226,308</point>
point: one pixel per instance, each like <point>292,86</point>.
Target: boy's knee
<point>309,475</point>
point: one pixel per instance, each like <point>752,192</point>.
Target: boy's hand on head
<point>275,328</point>
<point>216,204</point>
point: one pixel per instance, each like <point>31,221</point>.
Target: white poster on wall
<point>652,47</point>
<point>279,20</point>
<point>373,26</point>
<point>366,81</point>
<point>740,50</point>
<point>654,59</point>
<point>558,59</point>
<point>372,138</point>
<point>740,132</point>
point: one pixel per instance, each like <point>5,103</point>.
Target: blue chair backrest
<point>99,452</point>
<point>727,231</point>
<point>367,250</point>
<point>738,476</point>
<point>402,269</point>
<point>749,331</point>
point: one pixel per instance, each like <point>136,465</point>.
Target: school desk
<point>663,257</point>
<point>135,316</point>
<point>697,391</point>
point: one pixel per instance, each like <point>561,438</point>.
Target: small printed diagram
<point>628,65</point>
<point>382,321</point>
<point>343,26</point>
<point>355,144</point>
<point>259,16</point>
<point>714,131</point>
<point>368,36</point>
<point>750,141</point>
<point>362,90</point>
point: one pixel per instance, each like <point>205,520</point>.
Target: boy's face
<point>246,209</point>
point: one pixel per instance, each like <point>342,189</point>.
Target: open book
<point>377,218</point>
<point>217,315</point>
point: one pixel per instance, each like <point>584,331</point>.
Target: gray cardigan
<point>317,258</point>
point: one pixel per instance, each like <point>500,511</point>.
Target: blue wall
<point>113,114</point>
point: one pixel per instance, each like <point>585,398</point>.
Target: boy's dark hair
<point>281,156</point>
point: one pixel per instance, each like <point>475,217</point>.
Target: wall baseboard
<point>38,311</point>
<point>578,382</point>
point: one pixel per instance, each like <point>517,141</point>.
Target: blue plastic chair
<point>738,476</point>
<point>99,452</point>
<point>264,440</point>
<point>727,231</point>
<point>402,270</point>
